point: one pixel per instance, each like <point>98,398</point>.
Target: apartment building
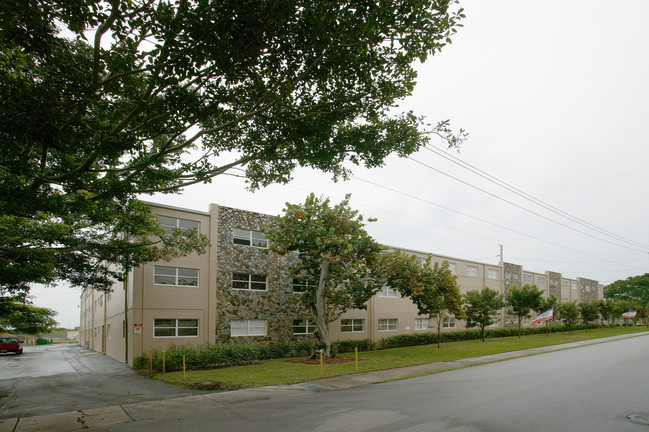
<point>238,292</point>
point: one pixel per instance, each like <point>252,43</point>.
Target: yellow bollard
<point>184,376</point>
<point>151,361</point>
<point>321,366</point>
<point>164,372</point>
<point>356,355</point>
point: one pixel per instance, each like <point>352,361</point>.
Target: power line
<point>521,207</point>
<point>476,218</point>
<point>529,197</point>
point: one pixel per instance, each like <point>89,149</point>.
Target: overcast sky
<point>555,96</point>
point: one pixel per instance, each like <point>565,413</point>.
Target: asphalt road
<point>587,389</point>
<point>56,378</point>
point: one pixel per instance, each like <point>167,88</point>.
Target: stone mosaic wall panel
<point>277,305</point>
<point>554,284</point>
<point>512,274</point>
<point>588,289</point>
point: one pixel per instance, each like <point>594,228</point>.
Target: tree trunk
<point>439,331</point>
<point>520,326</point>
<point>482,333</point>
<point>321,310</point>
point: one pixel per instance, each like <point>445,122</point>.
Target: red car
<point>10,344</point>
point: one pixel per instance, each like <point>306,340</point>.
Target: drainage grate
<point>639,418</point>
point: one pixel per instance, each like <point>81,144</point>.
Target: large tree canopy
<point>101,101</point>
<point>635,288</point>
<point>17,316</point>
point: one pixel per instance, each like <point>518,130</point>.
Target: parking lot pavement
<point>59,378</point>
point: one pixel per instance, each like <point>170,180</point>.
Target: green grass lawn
<point>280,371</point>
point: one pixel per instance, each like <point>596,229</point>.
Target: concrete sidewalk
<point>111,415</point>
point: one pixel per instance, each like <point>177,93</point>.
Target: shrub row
<point>214,356</point>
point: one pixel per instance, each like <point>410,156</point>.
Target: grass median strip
<point>282,371</point>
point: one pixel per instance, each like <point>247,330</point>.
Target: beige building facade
<point>238,292</point>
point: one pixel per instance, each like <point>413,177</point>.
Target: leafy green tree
<point>17,316</point>
<point>635,288</point>
<point>347,264</point>
<point>481,306</point>
<point>606,308</point>
<point>104,101</point>
<point>439,298</point>
<point>522,301</point>
<point>568,313</point>
<point>589,311</point>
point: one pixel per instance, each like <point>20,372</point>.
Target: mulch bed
<point>326,360</point>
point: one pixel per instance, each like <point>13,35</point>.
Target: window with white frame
<point>169,224</point>
<point>452,267</point>
<point>564,284</point>
<point>574,285</point>
<point>422,323</point>
<point>472,271</point>
<point>177,276</point>
<point>163,327</point>
<point>540,280</point>
<point>302,285</point>
<point>493,274</point>
<point>564,299</point>
<point>527,279</point>
<point>495,321</point>
<point>249,238</point>
<point>387,291</point>
<point>388,324</point>
<point>303,327</point>
<point>239,328</point>
<point>352,325</point>
<point>526,321</point>
<point>245,281</point>
<point>449,322</point>
<point>420,261</point>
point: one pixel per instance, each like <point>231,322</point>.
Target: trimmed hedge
<point>216,356</point>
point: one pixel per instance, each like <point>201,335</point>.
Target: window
<point>388,324</point>
<point>574,285</point>
<point>472,271</point>
<point>540,280</point>
<point>526,321</point>
<point>178,276</point>
<point>420,261</point>
<point>169,224</point>
<point>493,274</point>
<point>175,327</point>
<point>101,301</point>
<point>564,284</point>
<point>527,279</point>
<point>452,267</point>
<point>495,321</point>
<point>352,325</point>
<point>302,285</point>
<point>422,323</point>
<point>449,322</point>
<point>244,281</point>
<point>248,328</point>
<point>109,297</point>
<point>249,238</point>
<point>303,327</point>
<point>108,331</point>
<point>564,299</point>
<point>387,291</point>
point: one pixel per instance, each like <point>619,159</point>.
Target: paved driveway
<point>56,378</point>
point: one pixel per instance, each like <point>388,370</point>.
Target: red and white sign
<point>629,314</point>
<point>137,328</point>
<point>545,316</point>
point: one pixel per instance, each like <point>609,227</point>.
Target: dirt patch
<point>311,361</point>
<point>206,385</point>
